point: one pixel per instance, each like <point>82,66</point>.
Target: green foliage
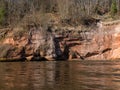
<point>113,8</point>
<point>2,15</point>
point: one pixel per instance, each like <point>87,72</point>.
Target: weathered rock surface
<point>103,43</point>
<point>100,44</point>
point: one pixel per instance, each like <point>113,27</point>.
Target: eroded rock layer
<point>70,43</point>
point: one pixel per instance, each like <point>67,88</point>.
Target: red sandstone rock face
<point>115,53</point>
<point>9,41</point>
<point>103,44</point>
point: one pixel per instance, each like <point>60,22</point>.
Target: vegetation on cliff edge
<point>57,12</point>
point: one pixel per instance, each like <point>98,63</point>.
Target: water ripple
<point>78,75</point>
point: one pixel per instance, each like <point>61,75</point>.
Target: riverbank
<point>61,43</point>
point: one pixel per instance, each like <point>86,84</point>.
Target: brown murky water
<point>60,75</point>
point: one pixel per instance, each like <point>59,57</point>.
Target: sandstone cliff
<point>64,43</point>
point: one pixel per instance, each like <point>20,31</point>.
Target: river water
<point>60,75</point>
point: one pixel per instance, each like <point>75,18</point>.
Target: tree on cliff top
<point>114,9</point>
<point>72,10</point>
<point>3,12</point>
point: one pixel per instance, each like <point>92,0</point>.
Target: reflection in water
<point>83,75</point>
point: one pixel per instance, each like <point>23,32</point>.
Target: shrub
<point>2,15</point>
<point>113,8</point>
